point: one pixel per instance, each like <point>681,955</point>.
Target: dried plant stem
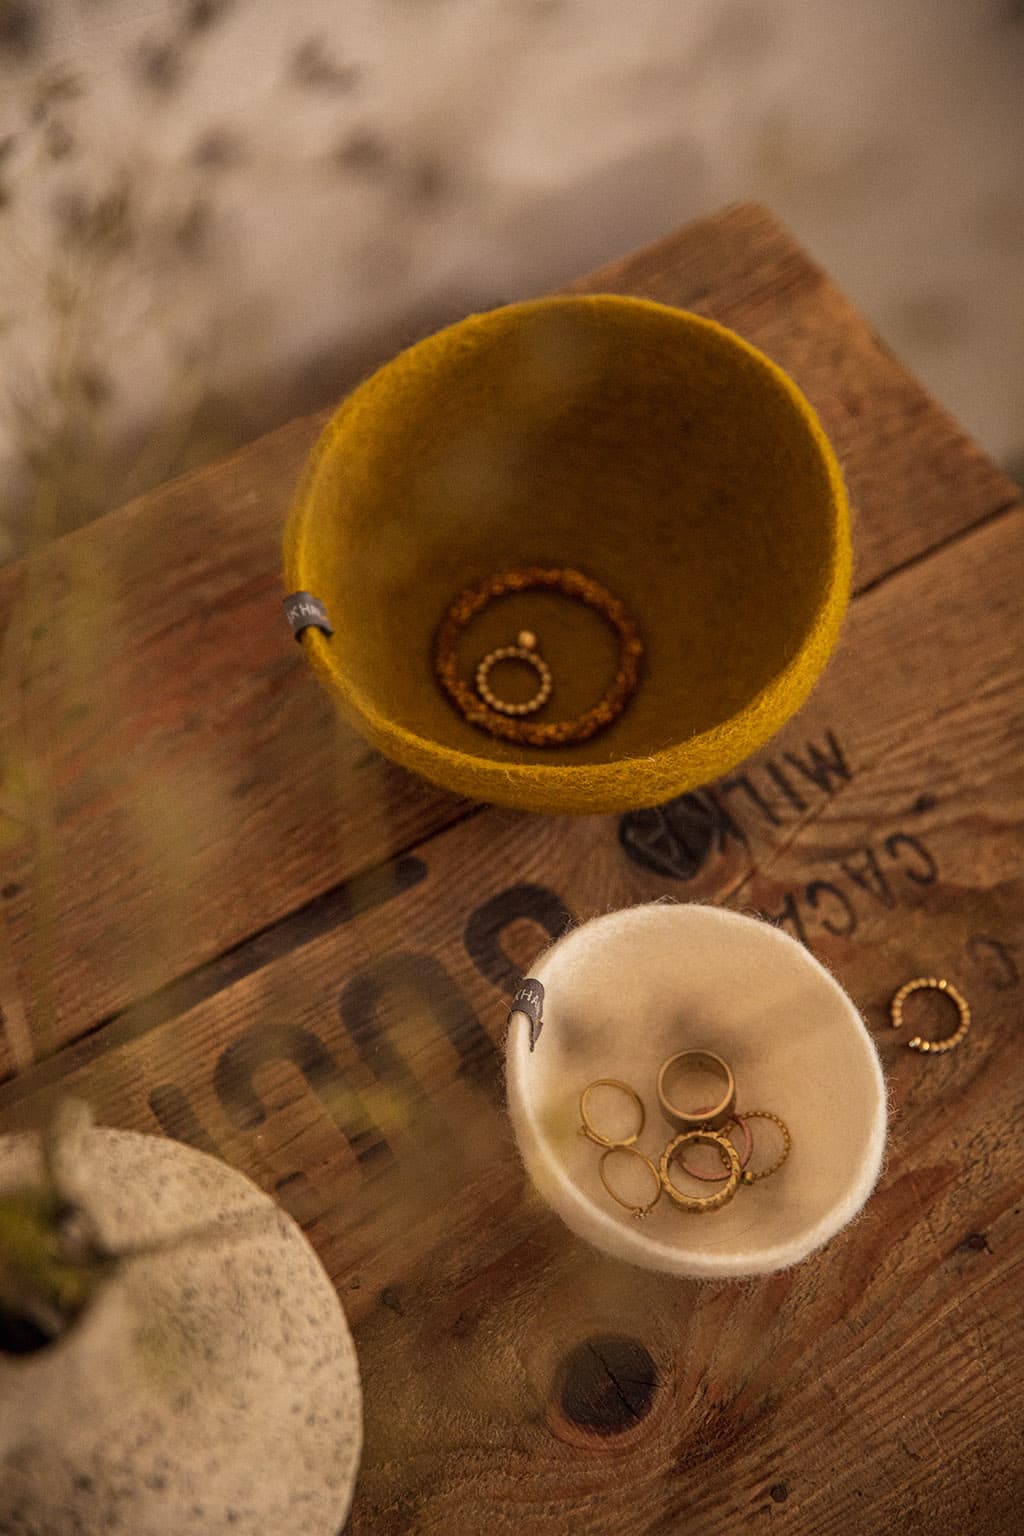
<point>31,668</point>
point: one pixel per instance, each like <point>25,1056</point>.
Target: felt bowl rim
<point>611,786</point>
<point>604,1228</point>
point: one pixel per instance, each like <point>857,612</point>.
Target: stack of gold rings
<point>709,1126</point>
<point>486,709</point>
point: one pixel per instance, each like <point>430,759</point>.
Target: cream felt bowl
<point>654,451</point>
<point>628,990</point>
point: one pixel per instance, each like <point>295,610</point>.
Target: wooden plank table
<point>228,920</point>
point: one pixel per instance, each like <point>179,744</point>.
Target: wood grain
<point>517,1381</point>
<point>174,781</point>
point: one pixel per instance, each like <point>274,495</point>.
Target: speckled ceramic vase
<point>209,1386</point>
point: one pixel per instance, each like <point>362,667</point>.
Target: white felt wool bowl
<point>628,990</point>
<point>209,1385</point>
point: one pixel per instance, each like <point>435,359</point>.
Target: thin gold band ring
<point>638,1211</point>
<point>587,1129</point>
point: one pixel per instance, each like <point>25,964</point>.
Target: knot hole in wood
<point>605,1386</point>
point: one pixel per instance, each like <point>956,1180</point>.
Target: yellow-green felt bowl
<point>651,449</point>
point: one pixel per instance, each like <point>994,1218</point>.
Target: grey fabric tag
<point>529,999</point>
<point>304,611</point>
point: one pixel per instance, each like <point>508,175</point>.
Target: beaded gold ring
<point>637,1211</point>
<point>935,984</point>
<point>525,649</point>
<point>506,722</point>
<point>787,1145</point>
<point>699,1205</point>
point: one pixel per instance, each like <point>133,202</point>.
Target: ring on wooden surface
<point>934,984</point>
<point>525,649</point>
<point>477,708</point>
<point>698,1119</point>
<point>787,1145</point>
<point>698,1205</point>
<point>748,1147</point>
<point>586,1129</point>
<point>638,1211</point>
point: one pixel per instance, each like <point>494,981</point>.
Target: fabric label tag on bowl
<point>304,611</point>
<point>529,999</point>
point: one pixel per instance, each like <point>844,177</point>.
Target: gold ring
<point>748,1147</point>
<point>936,984</point>
<point>787,1143</point>
<point>697,1205</point>
<point>586,1129</point>
<point>531,733</point>
<point>698,1119</point>
<point>638,1211</point>
<point>525,649</point>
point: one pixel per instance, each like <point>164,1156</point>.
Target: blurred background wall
<point>215,214</point>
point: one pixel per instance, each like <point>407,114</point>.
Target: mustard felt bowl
<point>650,449</point>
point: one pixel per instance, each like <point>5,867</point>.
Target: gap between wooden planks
<point>358,1077</point>
<point>206,791</point>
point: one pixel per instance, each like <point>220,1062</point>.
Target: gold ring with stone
<point>637,1211</point>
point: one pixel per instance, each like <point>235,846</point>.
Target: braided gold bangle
<point>496,719</point>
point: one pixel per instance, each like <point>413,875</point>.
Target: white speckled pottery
<point>212,1387</point>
